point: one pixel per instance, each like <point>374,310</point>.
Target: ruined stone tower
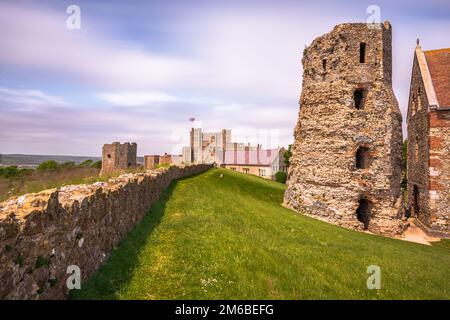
<point>118,157</point>
<point>346,162</point>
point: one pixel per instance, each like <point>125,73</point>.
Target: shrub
<point>287,155</point>
<point>48,165</point>
<point>13,171</point>
<point>67,165</point>
<point>97,164</point>
<point>85,163</point>
<point>281,176</point>
<point>9,172</point>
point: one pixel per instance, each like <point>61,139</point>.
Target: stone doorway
<point>416,200</point>
<point>363,212</point>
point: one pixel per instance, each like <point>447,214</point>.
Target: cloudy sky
<point>139,70</point>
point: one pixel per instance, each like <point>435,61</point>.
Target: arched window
<point>363,212</point>
<point>358,98</point>
<point>362,158</point>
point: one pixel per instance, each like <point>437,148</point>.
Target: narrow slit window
<point>362,52</point>
<point>324,64</point>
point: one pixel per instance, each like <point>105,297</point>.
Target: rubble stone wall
<point>42,234</point>
<point>324,180</point>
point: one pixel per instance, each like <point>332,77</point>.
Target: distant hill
<point>36,159</point>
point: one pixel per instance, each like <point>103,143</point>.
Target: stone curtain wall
<point>42,234</point>
<point>324,180</point>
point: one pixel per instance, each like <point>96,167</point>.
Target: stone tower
<point>346,162</point>
<point>118,157</point>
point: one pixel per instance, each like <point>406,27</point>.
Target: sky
<point>139,70</point>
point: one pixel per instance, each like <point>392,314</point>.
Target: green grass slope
<point>224,235</point>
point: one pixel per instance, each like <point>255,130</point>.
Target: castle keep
<point>118,157</point>
<point>346,162</point>
<point>429,141</point>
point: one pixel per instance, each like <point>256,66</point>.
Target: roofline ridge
<point>426,78</point>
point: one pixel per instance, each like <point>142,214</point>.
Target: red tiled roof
<point>438,62</point>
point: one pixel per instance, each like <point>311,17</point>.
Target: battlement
<point>354,52</point>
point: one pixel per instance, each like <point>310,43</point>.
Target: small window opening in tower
<point>358,97</point>
<point>109,156</point>
<point>324,64</point>
<point>362,158</point>
<point>362,52</point>
<point>418,102</point>
<point>363,212</point>
<point>416,150</point>
<point>129,164</point>
<point>416,201</point>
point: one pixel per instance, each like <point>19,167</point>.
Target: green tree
<point>48,165</point>
<point>97,164</point>
<point>85,163</point>
<point>67,165</point>
<point>9,172</point>
<point>287,155</point>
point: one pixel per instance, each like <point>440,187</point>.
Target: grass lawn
<point>228,237</point>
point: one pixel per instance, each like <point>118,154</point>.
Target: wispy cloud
<point>82,55</point>
<point>136,99</point>
<point>30,97</point>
